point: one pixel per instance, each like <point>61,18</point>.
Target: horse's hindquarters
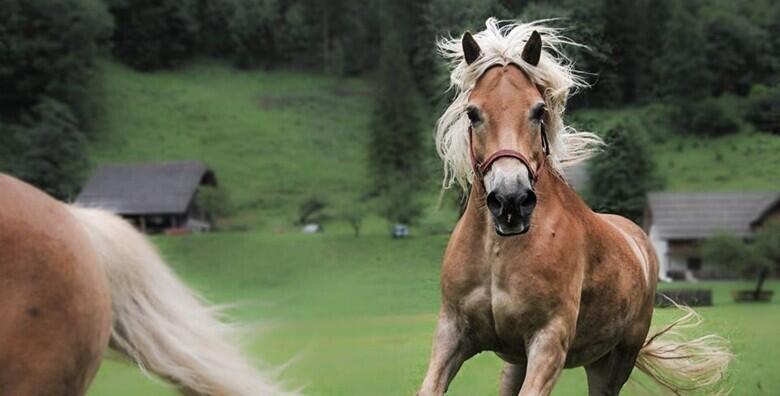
<point>54,298</point>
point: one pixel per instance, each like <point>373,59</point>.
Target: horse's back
<point>54,299</point>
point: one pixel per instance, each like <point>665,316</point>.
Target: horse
<point>530,272</point>
<point>75,282</point>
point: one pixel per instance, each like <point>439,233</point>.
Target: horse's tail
<point>681,366</point>
<point>162,325</point>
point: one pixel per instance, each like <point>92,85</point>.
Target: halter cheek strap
<point>480,168</point>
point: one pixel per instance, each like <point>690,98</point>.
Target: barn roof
<point>145,187</point>
<point>702,215</point>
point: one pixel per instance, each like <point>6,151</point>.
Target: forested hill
<point>298,101</point>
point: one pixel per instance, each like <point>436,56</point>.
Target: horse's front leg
<point>547,350</point>
<point>450,349</point>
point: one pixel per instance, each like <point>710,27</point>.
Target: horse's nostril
<point>495,204</point>
<point>529,201</point>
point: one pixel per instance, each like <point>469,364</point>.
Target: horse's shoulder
<point>623,224</point>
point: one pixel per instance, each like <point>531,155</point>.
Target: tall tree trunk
<point>761,278</point>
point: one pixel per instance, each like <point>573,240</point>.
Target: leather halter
<point>480,168</point>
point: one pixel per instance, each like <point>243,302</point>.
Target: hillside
<point>273,138</point>
<point>278,137</point>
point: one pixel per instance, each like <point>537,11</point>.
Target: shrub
<point>153,34</point>
<point>51,149</point>
<point>707,117</point>
<point>215,200</point>
<point>764,108</point>
<point>311,209</point>
<point>622,174</point>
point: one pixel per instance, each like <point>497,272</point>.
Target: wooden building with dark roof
<point>678,222</point>
<point>155,196</point>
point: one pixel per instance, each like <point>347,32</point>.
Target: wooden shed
<point>678,222</point>
<point>155,196</point>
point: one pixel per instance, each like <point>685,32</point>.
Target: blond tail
<point>162,325</point>
<point>680,366</point>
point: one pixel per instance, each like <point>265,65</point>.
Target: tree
<point>682,65</point>
<point>768,241</point>
<point>250,27</point>
<point>49,48</point>
<point>764,108</point>
<point>310,210</point>
<point>622,174</point>
<point>735,52</point>
<point>395,147</point>
<point>51,149</point>
<point>153,34</point>
<point>428,21</point>
<point>750,259</point>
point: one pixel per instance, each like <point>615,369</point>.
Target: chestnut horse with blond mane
<point>531,273</point>
<point>75,281</point>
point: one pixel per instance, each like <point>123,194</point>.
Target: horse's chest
<point>499,318</point>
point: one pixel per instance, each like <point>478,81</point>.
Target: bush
<point>622,174</point>
<point>153,34</point>
<point>48,48</point>
<point>707,117</point>
<point>311,210</point>
<point>764,108</point>
<point>51,149</point>
<point>215,200</point>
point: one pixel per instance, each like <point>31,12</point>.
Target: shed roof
<point>701,215</point>
<point>145,187</point>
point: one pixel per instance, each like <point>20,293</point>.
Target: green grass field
<point>356,316</point>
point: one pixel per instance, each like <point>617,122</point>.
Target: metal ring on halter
<point>481,168</point>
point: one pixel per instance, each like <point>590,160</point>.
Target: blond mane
<point>502,44</point>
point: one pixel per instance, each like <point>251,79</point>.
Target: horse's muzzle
<point>512,210</point>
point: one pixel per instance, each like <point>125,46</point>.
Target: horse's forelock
<point>502,43</point>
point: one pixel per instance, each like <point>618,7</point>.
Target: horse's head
<point>507,141</point>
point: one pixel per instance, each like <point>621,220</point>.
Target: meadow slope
<point>278,137</point>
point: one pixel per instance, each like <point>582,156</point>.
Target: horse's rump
<point>54,299</point>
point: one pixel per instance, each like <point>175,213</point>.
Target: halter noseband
<point>481,168</point>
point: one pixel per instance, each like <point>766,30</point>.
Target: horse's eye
<point>537,113</point>
<point>473,115</point>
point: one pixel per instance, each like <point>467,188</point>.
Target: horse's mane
<point>502,44</point>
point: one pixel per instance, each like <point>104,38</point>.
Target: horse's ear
<point>471,49</point>
<point>533,49</point>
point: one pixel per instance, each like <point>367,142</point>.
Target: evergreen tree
<point>622,174</point>
<point>152,34</point>
<point>682,66</point>
<point>49,48</point>
<point>395,147</point>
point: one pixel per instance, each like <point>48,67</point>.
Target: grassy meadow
<point>271,137</point>
<point>355,316</point>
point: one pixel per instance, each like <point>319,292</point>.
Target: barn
<point>678,222</point>
<point>155,196</point>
